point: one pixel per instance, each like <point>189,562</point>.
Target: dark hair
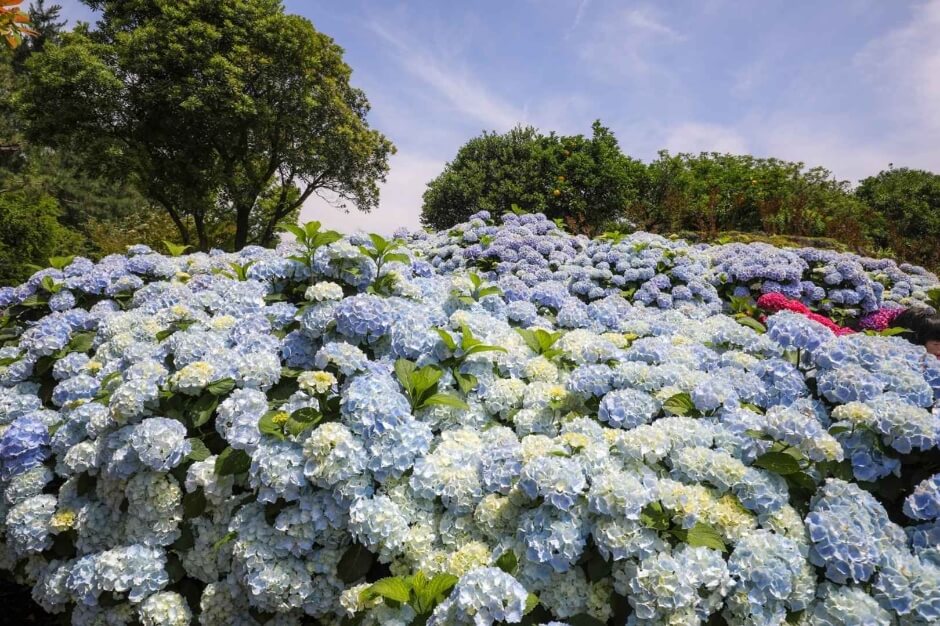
<point>925,326</point>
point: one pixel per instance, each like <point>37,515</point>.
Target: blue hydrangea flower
<point>24,445</point>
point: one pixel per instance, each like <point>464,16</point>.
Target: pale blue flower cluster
<point>531,421</point>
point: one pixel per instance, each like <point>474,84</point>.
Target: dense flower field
<point>494,424</point>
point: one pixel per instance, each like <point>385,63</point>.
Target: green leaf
<point>750,322</point>
<point>490,291</point>
<point>446,399</point>
<point>379,242</point>
<point>507,562</point>
<point>295,230</point>
<point>425,378</point>
<point>839,428</point>
<point>483,348</point>
<point>466,382</point>
<point>221,386</point>
<point>232,461</point>
<point>531,602</point>
<point>583,619</point>
<point>704,535</point>
<point>354,563</point>
<point>163,334</point>
<point>597,567</point>
<point>467,340</point>
<point>199,451</point>
<point>530,339</point>
<point>203,408</point>
<point>404,369</point>
<point>324,238</point>
<point>447,339</point>
<point>268,426</point>
<point>186,540</point>
<point>679,404</point>
<point>778,462</point>
<point>655,516</point>
<point>430,593</point>
<point>194,503</point>
<point>174,249</point>
<point>34,300</point>
<point>48,283</point>
<point>302,419</point>
<point>801,480</point>
<point>399,257</point>
<point>60,262</point>
<point>226,538</point>
<point>81,342</point>
<point>392,588</point>
<point>758,434</point>
<point>890,332</point>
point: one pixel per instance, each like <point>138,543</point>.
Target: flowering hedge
<point>494,424</point>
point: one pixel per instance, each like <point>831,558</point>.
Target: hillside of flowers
<point>498,424</point>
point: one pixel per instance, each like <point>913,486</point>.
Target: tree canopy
<point>586,181</point>
<point>228,114</point>
<point>905,206</point>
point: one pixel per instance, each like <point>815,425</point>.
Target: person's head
<point>924,327</point>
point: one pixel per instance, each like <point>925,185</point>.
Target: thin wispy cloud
<point>621,43</point>
<point>579,13</point>
<point>904,67</point>
<point>697,137</point>
<point>464,93</point>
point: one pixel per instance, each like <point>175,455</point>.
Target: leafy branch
<point>479,290</point>
<point>310,237</point>
<point>468,346</point>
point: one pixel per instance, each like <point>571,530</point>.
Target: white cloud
<point>399,203</point>
<point>697,137</point>
<point>459,89</point>
<point>579,12</point>
<point>620,43</point>
<point>818,141</point>
<point>904,65</point>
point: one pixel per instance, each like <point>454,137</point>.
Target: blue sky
<point>848,84</point>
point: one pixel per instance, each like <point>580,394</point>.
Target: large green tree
<point>585,181</point>
<point>228,114</point>
<point>905,206</point>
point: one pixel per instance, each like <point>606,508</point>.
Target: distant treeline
<point>590,184</point>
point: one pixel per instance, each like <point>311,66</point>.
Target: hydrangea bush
<point>495,424</point>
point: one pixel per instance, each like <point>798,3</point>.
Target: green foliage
<point>712,192</point>
<point>659,518</point>
<point>421,386</point>
<point>281,424</point>
<point>479,290</point>
<point>541,341</point>
<point>267,96</point>
<point>584,182</point>
<point>310,237</point>
<point>30,233</point>
<point>906,209</point>
<point>468,346</point>
<point>232,461</point>
<point>681,404</point>
<point>418,591</point>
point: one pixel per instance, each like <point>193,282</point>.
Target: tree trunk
<point>242,224</point>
